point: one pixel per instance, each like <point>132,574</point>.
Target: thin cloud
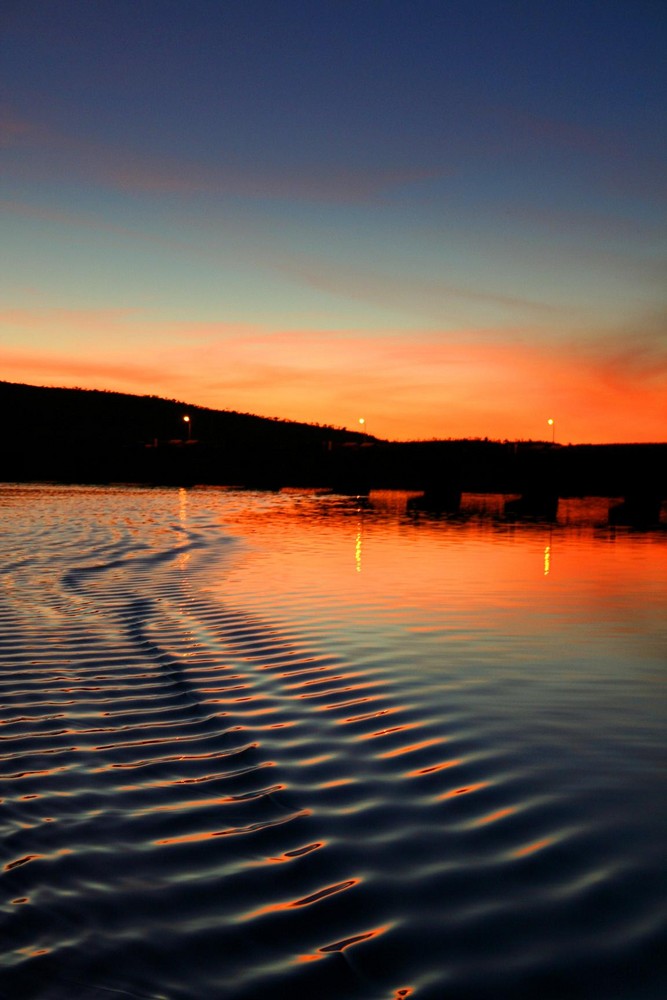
<point>46,152</point>
<point>600,384</point>
<point>72,318</point>
<point>621,358</point>
<point>407,292</point>
<point>67,367</point>
<point>13,130</point>
<point>80,220</point>
<point>613,152</point>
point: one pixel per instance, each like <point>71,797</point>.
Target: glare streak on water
<point>313,746</point>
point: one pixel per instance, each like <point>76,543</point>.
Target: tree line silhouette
<point>82,435</point>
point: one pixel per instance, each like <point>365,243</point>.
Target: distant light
<point>362,420</point>
<point>552,425</point>
<point>187,419</point>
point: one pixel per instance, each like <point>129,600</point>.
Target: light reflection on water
<point>299,745</point>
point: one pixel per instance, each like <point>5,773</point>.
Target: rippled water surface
<point>289,745</point>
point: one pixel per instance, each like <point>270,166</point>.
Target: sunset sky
<point>445,216</point>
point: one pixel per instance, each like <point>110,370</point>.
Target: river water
<point>309,746</point>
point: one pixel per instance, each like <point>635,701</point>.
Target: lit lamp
<point>186,420</point>
<point>362,421</point>
<point>552,425</point>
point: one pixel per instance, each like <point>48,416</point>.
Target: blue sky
<point>446,217</point>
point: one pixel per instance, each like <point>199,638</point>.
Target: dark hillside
<point>88,435</point>
<point>76,435</point>
<point>92,417</point>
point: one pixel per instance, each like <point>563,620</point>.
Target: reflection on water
<point>357,549</point>
<point>183,505</point>
<point>314,746</point>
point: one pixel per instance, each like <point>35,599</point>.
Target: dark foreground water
<point>270,745</point>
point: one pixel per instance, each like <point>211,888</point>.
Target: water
<point>288,745</point>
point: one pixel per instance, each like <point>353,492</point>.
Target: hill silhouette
<point>83,435</point>
<point>88,435</point>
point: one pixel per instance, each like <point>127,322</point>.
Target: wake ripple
<point>199,802</point>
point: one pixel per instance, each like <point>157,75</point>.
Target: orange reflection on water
<point>224,689</point>
<point>21,861</point>
<point>308,672</point>
<point>451,574</point>
<point>309,761</point>
<point>298,852</point>
<point>340,946</point>
<point>399,751</point>
<point>190,804</point>
<point>369,715</point>
<point>182,505</point>
<point>494,816</point>
<point>537,845</point>
<point>233,831</point>
<point>182,561</point>
<point>387,732</point>
<point>323,680</point>
<point>344,704</point>
<point>177,758</point>
<point>329,691</point>
<point>337,782</point>
<point>60,853</point>
<point>465,790</point>
<point>291,904</point>
<point>454,762</point>
<point>39,771</point>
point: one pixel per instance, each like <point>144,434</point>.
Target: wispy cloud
<point>97,223</point>
<point>63,369</point>
<point>407,292</point>
<point>634,352</point>
<point>56,316</point>
<point>399,290</point>
<point>48,152</point>
<point>611,154</point>
<point>601,385</point>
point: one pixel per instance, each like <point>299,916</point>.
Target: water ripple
<point>209,793</point>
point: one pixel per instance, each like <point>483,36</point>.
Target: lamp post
<point>362,421</point>
<point>552,425</point>
<point>186,420</point>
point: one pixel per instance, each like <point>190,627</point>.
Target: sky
<point>446,217</point>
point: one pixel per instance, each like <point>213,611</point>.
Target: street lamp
<point>186,420</point>
<point>362,421</point>
<point>552,425</point>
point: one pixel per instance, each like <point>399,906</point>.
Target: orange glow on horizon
<point>414,384</point>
